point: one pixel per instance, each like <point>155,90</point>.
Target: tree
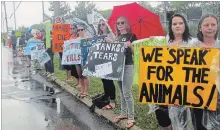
<point>23,29</point>
<point>65,10</point>
<point>146,5</point>
<point>38,26</point>
<point>106,13</point>
<point>83,8</point>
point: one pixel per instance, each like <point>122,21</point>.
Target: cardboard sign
<point>170,75</point>
<point>43,58</point>
<point>71,52</point>
<point>87,43</point>
<point>30,44</point>
<point>106,61</point>
<point>156,41</point>
<point>61,33</point>
<point>36,51</point>
<point>48,42</point>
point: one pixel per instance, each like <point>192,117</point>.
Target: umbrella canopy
<point>77,21</point>
<point>143,22</point>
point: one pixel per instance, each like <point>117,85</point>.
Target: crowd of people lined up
<point>168,117</point>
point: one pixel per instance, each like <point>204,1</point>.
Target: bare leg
<point>166,128</point>
<point>86,85</point>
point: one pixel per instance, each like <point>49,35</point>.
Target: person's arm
<point>129,43</point>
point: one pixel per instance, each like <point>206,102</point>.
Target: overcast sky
<point>29,13</point>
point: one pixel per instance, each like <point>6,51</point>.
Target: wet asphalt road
<point>30,102</point>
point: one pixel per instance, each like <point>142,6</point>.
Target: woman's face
<point>102,26</point>
<point>121,24</point>
<point>80,31</point>
<point>73,30</point>
<point>209,27</point>
<point>178,26</point>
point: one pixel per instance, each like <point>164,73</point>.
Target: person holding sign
<point>83,80</point>
<point>207,36</point>
<point>109,87</point>
<point>127,102</point>
<point>178,36</point>
<point>74,35</point>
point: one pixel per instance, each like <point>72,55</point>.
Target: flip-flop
<point>130,123</point>
<point>78,95</point>
<point>108,107</point>
<point>83,95</point>
<point>119,118</point>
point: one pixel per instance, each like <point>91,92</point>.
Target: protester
<point>207,36</point>
<point>49,66</point>
<point>180,116</point>
<point>14,42</point>
<point>22,40</point>
<point>124,34</point>
<point>74,35</point>
<point>109,87</point>
<point>83,80</point>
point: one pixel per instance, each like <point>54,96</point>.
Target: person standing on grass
<point>109,87</point>
<point>83,80</point>
<point>49,66</point>
<point>74,35</point>
<point>124,34</point>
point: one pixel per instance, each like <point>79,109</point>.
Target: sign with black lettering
<point>182,76</point>
<point>61,33</point>
<point>106,61</point>
<point>87,43</point>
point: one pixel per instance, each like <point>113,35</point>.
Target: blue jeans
<point>49,66</point>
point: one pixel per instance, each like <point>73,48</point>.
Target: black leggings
<point>162,116</point>
<point>198,117</point>
<point>109,89</point>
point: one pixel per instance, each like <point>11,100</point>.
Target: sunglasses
<point>80,30</point>
<point>103,24</point>
<point>122,23</point>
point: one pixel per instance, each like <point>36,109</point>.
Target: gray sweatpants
<point>126,97</point>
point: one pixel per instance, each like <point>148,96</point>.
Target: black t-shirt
<point>127,37</point>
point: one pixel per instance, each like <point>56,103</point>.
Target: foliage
<point>106,13</point>
<point>146,5</point>
<point>64,9</point>
<point>38,26</point>
<point>23,29</point>
<point>83,8</point>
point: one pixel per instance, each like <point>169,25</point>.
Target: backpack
<point>99,102</point>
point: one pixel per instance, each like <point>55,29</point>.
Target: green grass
<point>144,120</point>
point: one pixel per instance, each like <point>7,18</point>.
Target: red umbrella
<point>144,23</point>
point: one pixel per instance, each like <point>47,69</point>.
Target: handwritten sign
<point>87,43</point>
<point>170,75</point>
<point>61,33</point>
<point>43,58</point>
<point>72,52</point>
<point>156,41</point>
<point>105,60</point>
<point>30,44</point>
<point>36,51</point>
<point>48,42</point>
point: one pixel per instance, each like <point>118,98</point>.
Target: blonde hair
<point>128,27</point>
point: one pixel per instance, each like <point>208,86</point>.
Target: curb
<point>108,114</point>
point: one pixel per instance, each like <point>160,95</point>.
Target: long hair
<point>199,33</point>
<point>186,35</point>
<point>100,32</point>
<point>128,27</point>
